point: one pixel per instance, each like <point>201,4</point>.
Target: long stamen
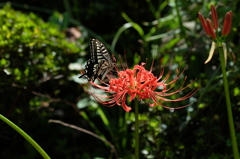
<point>211,52</point>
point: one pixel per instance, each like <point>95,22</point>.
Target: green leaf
<point>137,27</point>
<point>84,102</point>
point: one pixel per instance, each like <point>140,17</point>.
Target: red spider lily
<point>141,84</point>
<point>211,28</point>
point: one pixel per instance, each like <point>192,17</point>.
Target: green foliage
<point>34,59</point>
<point>31,49</point>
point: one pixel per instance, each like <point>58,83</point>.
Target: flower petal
<point>125,107</point>
<point>225,52</point>
<point>211,52</point>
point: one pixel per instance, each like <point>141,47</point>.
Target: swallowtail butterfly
<point>100,62</point>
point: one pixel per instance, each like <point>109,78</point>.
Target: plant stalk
<point>26,136</point>
<point>228,103</point>
<point>136,131</point>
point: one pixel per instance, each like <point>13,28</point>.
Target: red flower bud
<point>204,24</point>
<point>210,29</point>
<point>227,24</point>
<point>214,17</point>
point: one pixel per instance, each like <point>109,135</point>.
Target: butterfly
<point>100,62</point>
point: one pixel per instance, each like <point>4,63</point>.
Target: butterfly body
<point>100,62</point>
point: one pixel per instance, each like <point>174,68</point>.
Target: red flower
<point>141,84</point>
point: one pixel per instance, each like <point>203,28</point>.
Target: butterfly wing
<point>100,63</point>
<point>90,70</point>
<point>103,57</point>
<point>99,51</point>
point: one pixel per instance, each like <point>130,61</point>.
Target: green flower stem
<point>136,131</point>
<point>26,136</point>
<point>228,103</point>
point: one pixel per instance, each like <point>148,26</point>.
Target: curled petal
<point>211,52</point>
<point>125,107</point>
<point>225,52</point>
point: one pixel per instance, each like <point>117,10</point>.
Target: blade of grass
<point>26,136</point>
<point>105,121</point>
<point>119,32</point>
<point>137,27</point>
